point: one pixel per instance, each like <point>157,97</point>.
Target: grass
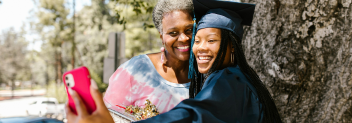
<point>57,91</point>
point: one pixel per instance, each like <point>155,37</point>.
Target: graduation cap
<point>222,14</point>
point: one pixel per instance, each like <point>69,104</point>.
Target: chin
<point>183,57</point>
<point>203,71</point>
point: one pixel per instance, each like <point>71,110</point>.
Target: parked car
<point>43,107</point>
<point>29,120</point>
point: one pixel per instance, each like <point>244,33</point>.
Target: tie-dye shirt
<point>137,80</point>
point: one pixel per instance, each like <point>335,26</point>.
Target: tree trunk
<point>58,64</point>
<point>73,35</point>
<point>301,49</point>
<point>73,54</point>
<point>59,67</point>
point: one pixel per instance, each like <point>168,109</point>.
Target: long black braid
<point>271,114</point>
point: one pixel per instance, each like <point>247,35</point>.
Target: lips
<point>183,48</point>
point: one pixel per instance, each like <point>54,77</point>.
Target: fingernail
<point>70,91</point>
<point>93,84</point>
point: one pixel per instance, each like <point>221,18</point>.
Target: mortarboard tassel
<point>191,70</point>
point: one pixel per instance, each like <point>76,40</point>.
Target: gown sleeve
<point>226,97</point>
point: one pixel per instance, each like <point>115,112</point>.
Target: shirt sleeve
<point>119,90</point>
<point>224,99</point>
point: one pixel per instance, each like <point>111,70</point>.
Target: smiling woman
<point>144,77</point>
<point>206,47</point>
<point>177,33</point>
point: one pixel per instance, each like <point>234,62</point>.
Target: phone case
<point>79,80</point>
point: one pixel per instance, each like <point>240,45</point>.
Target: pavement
<point>16,107</point>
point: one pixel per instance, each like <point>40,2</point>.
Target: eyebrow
<point>189,25</point>
<point>210,35</point>
<point>213,34</point>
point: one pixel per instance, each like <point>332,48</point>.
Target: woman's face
<point>206,47</point>
<point>177,34</point>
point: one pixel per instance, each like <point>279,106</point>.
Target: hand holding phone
<point>79,80</point>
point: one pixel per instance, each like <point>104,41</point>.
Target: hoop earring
<point>163,59</point>
<point>232,58</point>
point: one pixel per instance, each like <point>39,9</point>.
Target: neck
<point>177,69</point>
<point>177,65</point>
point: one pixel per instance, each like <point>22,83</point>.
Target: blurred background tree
<point>95,22</point>
<point>81,38</point>
<point>13,61</point>
<point>55,30</point>
<point>136,18</point>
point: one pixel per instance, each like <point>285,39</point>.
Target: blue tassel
<point>191,70</point>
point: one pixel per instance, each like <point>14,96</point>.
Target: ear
<point>232,47</point>
<point>161,37</point>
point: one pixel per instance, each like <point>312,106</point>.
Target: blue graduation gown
<point>226,97</point>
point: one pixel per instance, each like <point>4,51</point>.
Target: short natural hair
<point>165,6</point>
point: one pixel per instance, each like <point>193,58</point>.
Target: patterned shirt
<point>137,80</point>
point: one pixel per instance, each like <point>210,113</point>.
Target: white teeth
<point>204,58</point>
<point>185,47</point>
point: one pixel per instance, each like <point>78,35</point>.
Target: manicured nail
<point>70,91</point>
<point>93,84</point>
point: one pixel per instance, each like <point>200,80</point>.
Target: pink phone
<point>79,80</point>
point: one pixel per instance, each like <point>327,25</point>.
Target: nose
<point>202,46</point>
<point>183,37</point>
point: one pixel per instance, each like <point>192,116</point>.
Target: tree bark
<point>59,66</point>
<point>301,49</point>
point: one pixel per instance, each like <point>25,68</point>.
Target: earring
<point>163,56</point>
<point>232,58</point>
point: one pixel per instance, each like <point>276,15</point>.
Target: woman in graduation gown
<point>224,88</point>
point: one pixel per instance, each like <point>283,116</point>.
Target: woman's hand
<point>100,115</point>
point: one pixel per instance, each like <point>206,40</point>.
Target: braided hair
<point>271,114</point>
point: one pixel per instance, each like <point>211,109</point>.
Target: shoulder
<point>141,69</point>
<point>154,55</point>
<point>140,59</point>
<point>234,77</point>
<point>141,62</point>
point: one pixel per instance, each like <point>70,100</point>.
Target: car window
<point>48,102</point>
<point>53,121</point>
<point>33,103</point>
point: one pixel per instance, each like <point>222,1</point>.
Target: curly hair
<point>166,6</point>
